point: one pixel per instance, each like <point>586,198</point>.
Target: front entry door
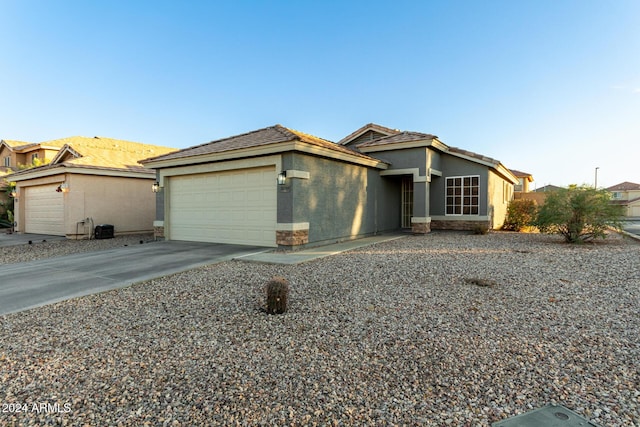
<point>406,208</point>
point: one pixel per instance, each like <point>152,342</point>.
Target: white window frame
<point>465,197</point>
<point>7,161</point>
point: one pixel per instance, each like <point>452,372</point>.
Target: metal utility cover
<point>549,416</point>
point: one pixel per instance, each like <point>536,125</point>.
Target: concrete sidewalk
<point>297,257</point>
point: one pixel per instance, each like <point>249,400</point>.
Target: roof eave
<point>431,142</point>
<point>58,169</point>
<point>262,150</point>
<point>364,129</point>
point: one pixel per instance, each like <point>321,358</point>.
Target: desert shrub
<point>277,291</point>
<point>521,213</point>
<point>579,213</point>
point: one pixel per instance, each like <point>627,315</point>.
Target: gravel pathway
<point>436,330</point>
<point>40,250</point>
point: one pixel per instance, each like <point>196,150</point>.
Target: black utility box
<point>104,231</point>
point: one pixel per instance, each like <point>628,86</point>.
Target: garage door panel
<point>44,210</point>
<point>225,207</point>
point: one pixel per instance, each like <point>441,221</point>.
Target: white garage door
<point>224,207</point>
<point>44,210</point>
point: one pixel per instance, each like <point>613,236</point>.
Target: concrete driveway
<point>33,284</point>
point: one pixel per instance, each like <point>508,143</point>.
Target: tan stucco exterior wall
<point>126,203</point>
<point>539,198</point>
<point>500,194</point>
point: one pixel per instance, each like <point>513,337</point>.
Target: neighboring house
<point>17,154</point>
<point>280,187</point>
<point>522,190</point>
<point>627,194</point>
<point>90,181</point>
<point>524,179</point>
<point>547,188</point>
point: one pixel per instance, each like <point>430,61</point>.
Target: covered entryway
<point>44,210</point>
<point>236,206</point>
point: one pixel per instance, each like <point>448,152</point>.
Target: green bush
<point>277,295</point>
<point>521,213</point>
<point>579,213</point>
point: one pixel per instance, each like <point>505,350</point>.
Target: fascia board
<point>399,146</point>
<point>474,159</point>
<point>277,148</point>
<point>80,170</point>
<point>35,173</point>
<point>111,172</point>
<point>507,173</point>
<point>325,152</point>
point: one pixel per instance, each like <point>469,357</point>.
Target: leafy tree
<point>6,218</point>
<point>579,213</point>
<point>521,213</point>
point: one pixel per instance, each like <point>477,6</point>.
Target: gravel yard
<point>40,250</point>
<point>398,333</point>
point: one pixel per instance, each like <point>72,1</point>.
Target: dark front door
<point>406,200</point>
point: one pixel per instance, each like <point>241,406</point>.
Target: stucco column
<point>421,219</point>
<point>290,231</point>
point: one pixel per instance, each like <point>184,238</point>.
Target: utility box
<point>549,416</point>
<point>104,231</point>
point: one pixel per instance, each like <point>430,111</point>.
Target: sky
<point>548,87</point>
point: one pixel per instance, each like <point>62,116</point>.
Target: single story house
<point>279,187</point>
<point>90,181</point>
<point>627,194</point>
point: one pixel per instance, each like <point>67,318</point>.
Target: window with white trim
<point>462,195</point>
<point>7,161</point>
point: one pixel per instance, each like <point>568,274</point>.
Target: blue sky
<point>549,87</point>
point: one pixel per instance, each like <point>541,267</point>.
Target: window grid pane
<point>462,195</point>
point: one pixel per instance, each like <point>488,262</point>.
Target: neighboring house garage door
<point>44,210</point>
<point>236,206</point>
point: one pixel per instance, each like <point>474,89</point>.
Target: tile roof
<point>365,128</point>
<point>520,174</point>
<point>16,144</point>
<point>474,155</point>
<point>398,138</point>
<point>101,153</point>
<point>261,137</point>
<point>546,188</point>
<point>624,186</point>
